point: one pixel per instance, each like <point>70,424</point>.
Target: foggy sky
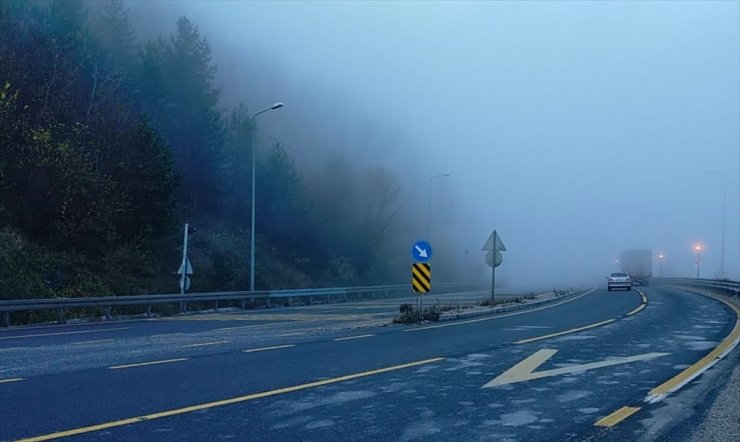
<point>576,129</point>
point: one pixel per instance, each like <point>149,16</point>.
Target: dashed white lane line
<point>205,344</point>
<point>276,347</point>
<point>347,338</point>
<point>142,364</point>
<point>37,335</point>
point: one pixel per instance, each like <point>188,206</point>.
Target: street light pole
<point>660,265</point>
<point>724,219</point>
<point>698,261</point>
<point>277,105</point>
<point>429,212</point>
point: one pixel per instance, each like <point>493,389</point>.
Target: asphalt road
<point>551,373</point>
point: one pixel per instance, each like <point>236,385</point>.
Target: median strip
<point>489,318</point>
<point>143,364</point>
<point>276,347</point>
<point>234,400</point>
<point>352,337</point>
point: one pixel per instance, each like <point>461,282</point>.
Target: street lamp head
<point>277,105</point>
<point>661,256</point>
<point>698,248</point>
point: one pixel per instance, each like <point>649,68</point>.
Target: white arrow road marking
<point>422,252</point>
<point>525,370</point>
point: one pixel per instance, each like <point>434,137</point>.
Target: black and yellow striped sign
<point>421,277</point>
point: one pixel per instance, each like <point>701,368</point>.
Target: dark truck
<point>638,264</point>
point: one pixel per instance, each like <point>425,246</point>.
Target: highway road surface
<point>598,365</point>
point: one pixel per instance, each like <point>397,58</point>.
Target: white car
<point>619,280</point>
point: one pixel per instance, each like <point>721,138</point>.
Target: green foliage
<point>24,268</point>
<point>107,146</point>
<point>409,315</point>
<point>179,94</point>
<point>239,138</point>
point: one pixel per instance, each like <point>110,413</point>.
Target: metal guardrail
<point>724,286</point>
<point>307,295</point>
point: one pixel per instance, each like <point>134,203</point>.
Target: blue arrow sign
<point>421,251</point>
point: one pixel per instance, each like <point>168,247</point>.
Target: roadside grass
<point>409,314</point>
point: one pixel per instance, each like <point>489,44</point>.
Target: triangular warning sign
<point>186,267</point>
<point>494,243</point>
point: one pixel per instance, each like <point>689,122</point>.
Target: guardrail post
<point>267,301</point>
<point>183,307</point>
<point>6,319</point>
<point>107,312</point>
<point>243,304</point>
<point>215,307</point>
<point>60,316</point>
<point>148,309</point>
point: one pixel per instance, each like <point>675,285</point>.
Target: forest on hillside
<point>109,144</point>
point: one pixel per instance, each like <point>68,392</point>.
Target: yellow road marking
<point>204,344</point>
<point>142,364</point>
<point>490,318</point>
<point>252,350</point>
<point>234,400</point>
<point>565,332</point>
<point>617,417</point>
<point>6,381</point>
<point>637,310</point>
<point>65,333</point>
<point>525,370</point>
<point>686,376</point>
<point>586,327</point>
<point>347,338</point>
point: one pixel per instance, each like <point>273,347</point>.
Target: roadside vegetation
<point>409,313</point>
<point>108,144</point>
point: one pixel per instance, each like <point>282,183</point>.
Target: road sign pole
<point>493,286</point>
<point>184,275</point>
